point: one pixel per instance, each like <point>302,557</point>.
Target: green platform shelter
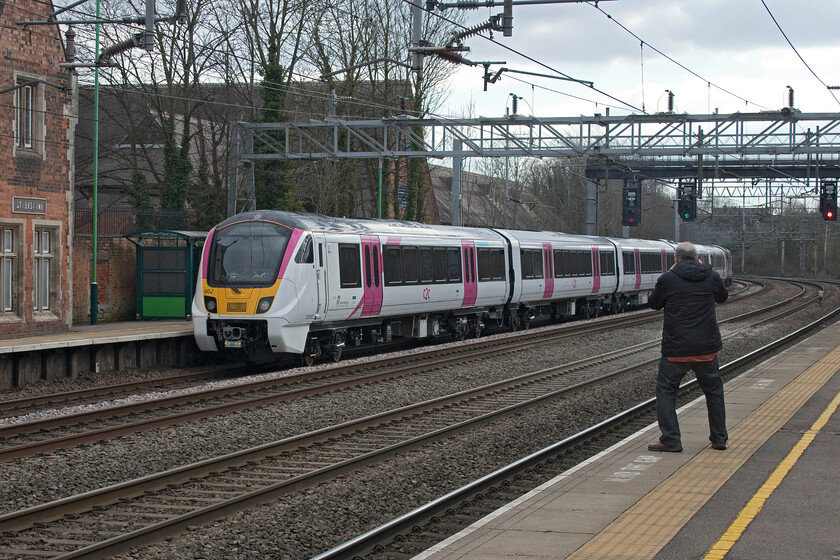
<point>167,267</point>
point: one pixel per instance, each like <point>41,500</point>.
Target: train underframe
<point>248,339</point>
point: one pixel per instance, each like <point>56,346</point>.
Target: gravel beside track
<point>313,521</point>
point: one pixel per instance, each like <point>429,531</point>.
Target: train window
<point>629,262</point>
<point>527,264</point>
<point>247,254</point>
<point>536,256</point>
<point>483,265</point>
<point>321,255</point>
<point>532,263</point>
<point>453,264</point>
<point>305,253</point>
<point>584,263</point>
<point>376,266</point>
<point>670,259</point>
<point>607,263</point>
<point>439,265</point>
<point>497,264</point>
<point>651,263</point>
<point>425,264</point>
<point>558,264</point>
<point>466,266</point>
<point>410,274</point>
<point>348,266</point>
<point>367,266</point>
<point>393,265</point>
<point>491,265</point>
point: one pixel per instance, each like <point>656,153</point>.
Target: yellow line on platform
<point>722,547</point>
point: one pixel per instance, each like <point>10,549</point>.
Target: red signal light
<point>829,214</point>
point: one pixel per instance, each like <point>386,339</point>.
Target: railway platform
<point>772,494</point>
<point>96,348</point>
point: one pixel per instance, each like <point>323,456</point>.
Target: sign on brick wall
<point>23,205</point>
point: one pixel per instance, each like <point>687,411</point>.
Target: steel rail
<point>109,390</point>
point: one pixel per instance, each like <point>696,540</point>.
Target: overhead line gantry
<point>781,145</point>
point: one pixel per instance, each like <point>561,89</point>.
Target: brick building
<point>38,109</point>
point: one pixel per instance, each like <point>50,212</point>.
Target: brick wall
<point>115,275</point>
<point>42,171</point>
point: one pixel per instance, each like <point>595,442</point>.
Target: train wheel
<point>514,322</point>
<point>311,351</point>
<point>336,355</point>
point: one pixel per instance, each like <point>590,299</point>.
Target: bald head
<point>685,251</point>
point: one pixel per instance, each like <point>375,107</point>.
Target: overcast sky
<point>743,60</point>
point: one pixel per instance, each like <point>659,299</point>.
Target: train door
<point>638,259</point>
<point>372,276</point>
<point>470,278</point>
<point>596,270</point>
<point>321,276</point>
<point>548,270</point>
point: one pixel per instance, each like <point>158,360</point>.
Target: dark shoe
<point>720,446</point>
<point>659,446</point>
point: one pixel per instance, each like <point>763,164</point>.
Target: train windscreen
<point>247,254</point>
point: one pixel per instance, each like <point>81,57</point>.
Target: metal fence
<point>115,222</point>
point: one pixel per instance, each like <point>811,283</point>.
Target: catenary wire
<point>689,70</point>
<point>811,70</point>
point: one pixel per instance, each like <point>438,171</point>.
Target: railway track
<point>159,505</point>
<point>12,408</point>
<point>431,523</point>
<point>39,435</point>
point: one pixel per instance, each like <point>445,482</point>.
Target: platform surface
<point>103,333</point>
<point>774,493</point>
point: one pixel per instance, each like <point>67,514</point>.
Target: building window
<point>25,111</point>
<point>8,258</point>
<point>30,105</point>
<point>43,269</point>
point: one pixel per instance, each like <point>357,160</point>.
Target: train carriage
<point>283,282</point>
<point>306,284</point>
<point>564,273</point>
<point>640,264</point>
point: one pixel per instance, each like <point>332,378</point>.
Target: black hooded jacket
<point>688,293</point>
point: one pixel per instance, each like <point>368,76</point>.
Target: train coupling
<point>233,336</point>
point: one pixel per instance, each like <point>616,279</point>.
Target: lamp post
<point>94,286</point>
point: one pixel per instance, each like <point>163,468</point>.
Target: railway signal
<point>687,200</point>
<point>828,201</point>
<point>631,206</point>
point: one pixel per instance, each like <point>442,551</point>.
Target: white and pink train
<point>273,282</point>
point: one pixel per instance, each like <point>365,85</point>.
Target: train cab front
<point>242,288</point>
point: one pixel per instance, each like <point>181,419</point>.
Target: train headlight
<point>264,304</point>
<point>210,304</point>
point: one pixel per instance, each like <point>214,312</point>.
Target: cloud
<point>734,45</point>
